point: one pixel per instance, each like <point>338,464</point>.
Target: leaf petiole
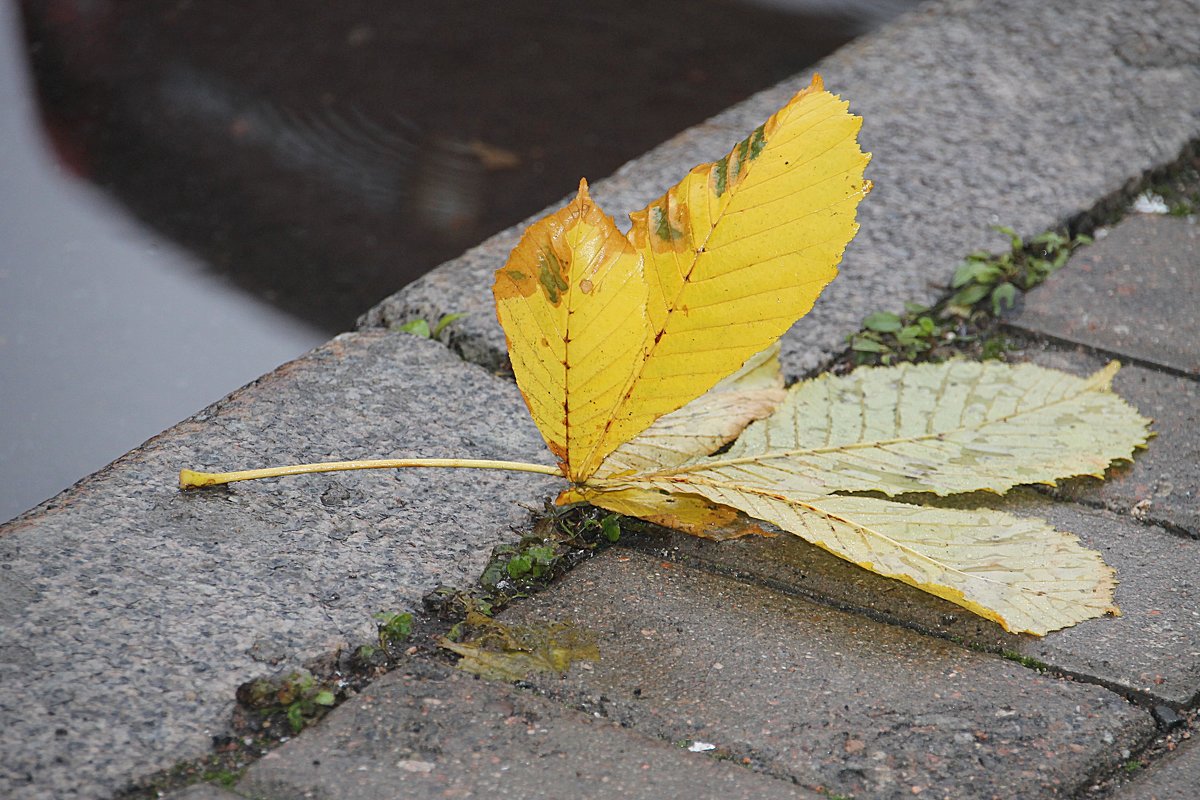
<point>191,479</point>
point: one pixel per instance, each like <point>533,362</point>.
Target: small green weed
<point>610,526</point>
<point>299,696</point>
<point>538,557</point>
<point>394,629</point>
<point>888,337</point>
<point>994,280</point>
<point>559,541</point>
<point>422,328</point>
<point>984,285</point>
<point>1131,766</point>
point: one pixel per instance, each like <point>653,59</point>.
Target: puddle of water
<point>109,333</point>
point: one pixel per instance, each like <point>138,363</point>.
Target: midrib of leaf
<point>713,464</point>
<point>870,532</point>
<point>655,336</point>
<point>867,533</point>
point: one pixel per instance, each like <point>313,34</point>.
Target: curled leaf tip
<point>1103,377</point>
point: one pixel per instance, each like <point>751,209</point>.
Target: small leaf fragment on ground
<point>511,653</point>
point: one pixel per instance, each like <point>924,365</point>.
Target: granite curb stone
<point>132,611</point>
<point>824,697</point>
<point>1023,118</point>
<point>1152,651</point>
<point>428,731</point>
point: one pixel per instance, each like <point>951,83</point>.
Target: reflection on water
<point>315,156</point>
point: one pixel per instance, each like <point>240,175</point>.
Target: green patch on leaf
<point>720,177</point>
<point>758,141</point>
<point>663,228</point>
<point>550,275</point>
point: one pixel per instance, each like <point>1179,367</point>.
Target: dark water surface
<point>194,192</point>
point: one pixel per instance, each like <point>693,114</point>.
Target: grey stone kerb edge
<point>129,612</point>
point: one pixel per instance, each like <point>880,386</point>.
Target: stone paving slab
<point>1152,650</point>
<point>1162,484</point>
<point>975,118</point>
<point>429,731</point>
<point>130,612</point>
<point>1135,293</point>
<point>824,697</point>
<point>1175,777</point>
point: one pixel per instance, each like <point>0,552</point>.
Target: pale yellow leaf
<point>1019,572</point>
<point>571,300</point>
<point>707,423</point>
<point>942,428</point>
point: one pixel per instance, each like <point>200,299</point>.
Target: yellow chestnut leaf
<point>604,340</point>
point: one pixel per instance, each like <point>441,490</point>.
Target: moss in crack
<point>1180,190</point>
<point>1026,661</point>
<point>831,795</point>
<point>1132,765</point>
<point>223,768</point>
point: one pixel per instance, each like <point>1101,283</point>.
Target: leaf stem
<point>191,479</point>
